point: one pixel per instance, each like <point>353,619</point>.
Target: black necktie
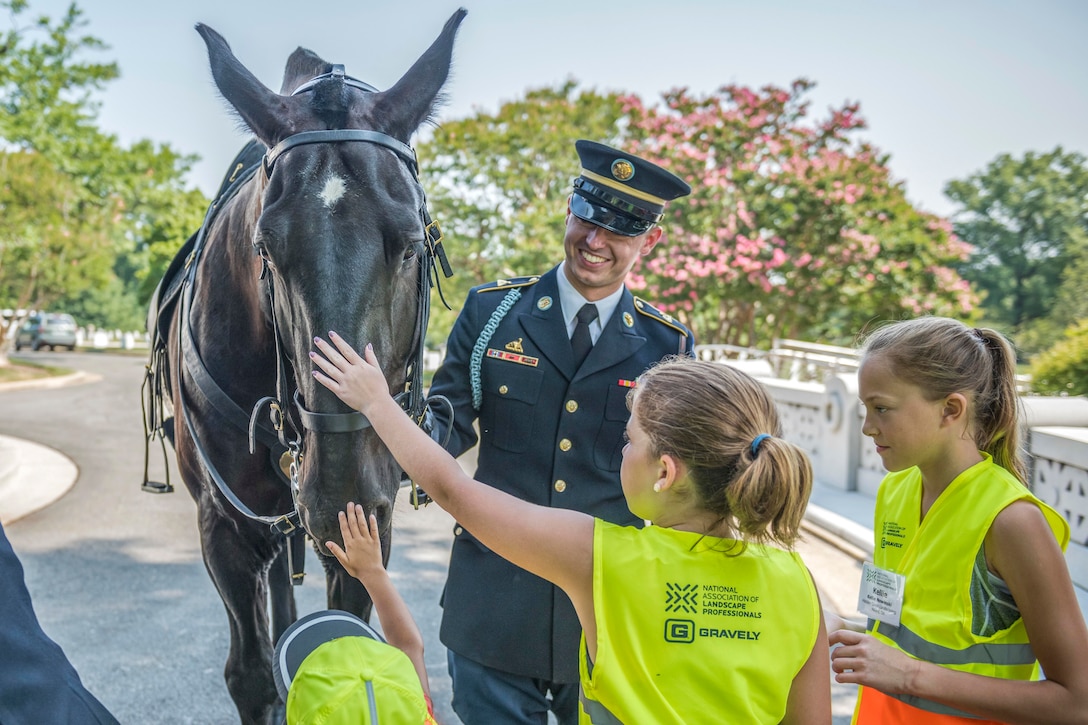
<point>581,342</point>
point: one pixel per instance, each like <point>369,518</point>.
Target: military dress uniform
<point>550,434</point>
<point>550,424</point>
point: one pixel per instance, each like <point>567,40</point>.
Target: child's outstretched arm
<point>361,557</point>
<point>555,544</point>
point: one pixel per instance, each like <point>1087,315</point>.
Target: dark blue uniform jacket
<point>549,434</point>
<point>37,682</point>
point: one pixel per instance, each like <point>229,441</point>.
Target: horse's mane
<point>303,65</point>
<point>329,99</point>
<point>330,103</point>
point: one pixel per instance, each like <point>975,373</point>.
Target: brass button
<point>572,405</point>
<point>503,390</point>
<point>560,485</point>
<point>457,530</point>
<point>565,444</point>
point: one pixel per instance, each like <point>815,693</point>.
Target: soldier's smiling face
<point>598,260</point>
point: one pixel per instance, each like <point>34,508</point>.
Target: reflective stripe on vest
<point>997,654</point>
<point>598,714</point>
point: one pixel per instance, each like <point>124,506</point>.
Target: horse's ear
<point>302,66</point>
<point>255,103</point>
<point>411,101</point>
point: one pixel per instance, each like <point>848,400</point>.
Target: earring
<point>657,487</point>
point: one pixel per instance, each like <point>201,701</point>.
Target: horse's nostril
<point>382,512</point>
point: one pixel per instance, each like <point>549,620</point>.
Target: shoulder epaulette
<point>653,313</point>
<point>505,284</point>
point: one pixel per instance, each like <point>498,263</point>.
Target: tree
<point>50,244</point>
<point>793,228</point>
<point>113,195</point>
<point>498,184</point>
<point>1027,219</point>
<point>1063,369</point>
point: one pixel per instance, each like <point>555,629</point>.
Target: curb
<point>837,527</point>
<point>33,475</point>
<point>36,477</point>
<point>57,381</point>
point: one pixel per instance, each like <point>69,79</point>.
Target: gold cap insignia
<point>622,169</point>
<point>544,303</point>
<point>515,346</point>
<point>628,320</point>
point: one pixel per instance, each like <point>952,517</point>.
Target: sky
<point>945,85</point>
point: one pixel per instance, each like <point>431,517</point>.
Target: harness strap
<point>152,398</point>
<point>219,400</point>
<point>403,150</point>
<point>337,72</point>
<point>285,523</point>
<point>331,422</point>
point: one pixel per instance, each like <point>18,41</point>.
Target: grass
<point>21,369</point>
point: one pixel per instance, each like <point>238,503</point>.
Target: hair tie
<point>758,439</point>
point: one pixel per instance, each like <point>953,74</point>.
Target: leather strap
<point>344,134</point>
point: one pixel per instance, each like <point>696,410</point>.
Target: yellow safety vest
<point>937,555</point>
<point>690,632</point>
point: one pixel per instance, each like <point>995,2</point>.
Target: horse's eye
<point>410,253</point>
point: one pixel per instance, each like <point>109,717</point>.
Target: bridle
<point>411,398</point>
<point>286,429</point>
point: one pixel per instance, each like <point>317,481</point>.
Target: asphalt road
<point>117,578</point>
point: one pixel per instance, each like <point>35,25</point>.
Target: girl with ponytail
<point>969,592</point>
<point>705,615</point>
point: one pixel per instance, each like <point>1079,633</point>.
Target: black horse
<point>328,231</point>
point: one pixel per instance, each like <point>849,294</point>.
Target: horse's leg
<point>282,603</point>
<point>281,592</point>
<point>238,559</point>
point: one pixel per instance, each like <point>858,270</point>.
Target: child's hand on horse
<point>357,381</point>
<point>361,555</point>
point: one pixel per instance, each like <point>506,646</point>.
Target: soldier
<point>543,365</point>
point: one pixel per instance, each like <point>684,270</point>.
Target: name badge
<point>881,594</point>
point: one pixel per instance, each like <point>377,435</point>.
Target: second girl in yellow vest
<point>705,616</point>
<point>968,587</point>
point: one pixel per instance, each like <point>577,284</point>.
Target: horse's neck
<point>231,293</point>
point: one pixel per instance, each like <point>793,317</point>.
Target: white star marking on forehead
<point>334,189</point>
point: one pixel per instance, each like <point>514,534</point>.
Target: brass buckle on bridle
<point>275,414</point>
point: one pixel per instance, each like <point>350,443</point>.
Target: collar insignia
<point>628,320</point>
<point>544,303</point>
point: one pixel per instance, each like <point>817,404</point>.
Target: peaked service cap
<point>620,191</point>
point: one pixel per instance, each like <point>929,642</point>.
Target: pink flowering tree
<point>794,227</point>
